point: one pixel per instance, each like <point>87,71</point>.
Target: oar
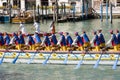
<point>45,62</point>
<point>14,61</point>
<point>97,62</point>
<point>79,63</point>
<point>32,58</point>
<point>115,63</point>
<point>66,58</point>
<point>1,61</point>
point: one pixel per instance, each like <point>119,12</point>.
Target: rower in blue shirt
<point>1,41</point>
<point>6,39</point>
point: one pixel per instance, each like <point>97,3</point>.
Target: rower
<point>53,39</point>
<point>46,42</point>
<point>113,40</point>
<point>118,37</point>
<point>37,39</point>
<point>36,26</point>
<point>101,38</point>
<point>21,39</point>
<point>85,39</point>
<point>79,41</point>
<point>69,40</point>
<point>6,39</point>
<point>96,41</point>
<point>22,28</point>
<point>30,42</point>
<point>1,41</point>
<point>15,40</point>
<point>62,42</point>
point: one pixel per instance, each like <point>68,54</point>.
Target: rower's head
<point>83,31</point>
<point>76,33</point>
<point>0,33</point>
<point>111,31</point>
<point>61,33</point>
<point>94,32</point>
<point>99,30</point>
<point>5,33</point>
<point>13,34</point>
<point>45,34</point>
<point>117,31</point>
<point>19,32</point>
<point>66,33</point>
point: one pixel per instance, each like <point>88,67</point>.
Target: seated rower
<point>15,40</point>
<point>62,42</point>
<point>21,39</point>
<point>69,40</point>
<point>85,39</point>
<point>6,40</point>
<point>113,40</point>
<point>96,41</point>
<point>37,39</point>
<point>118,37</point>
<point>1,41</point>
<point>46,42</point>
<point>53,39</point>
<point>101,38</point>
<point>30,42</point>
<point>78,41</point>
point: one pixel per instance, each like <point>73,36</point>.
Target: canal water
<point>88,25</point>
<point>10,71</point>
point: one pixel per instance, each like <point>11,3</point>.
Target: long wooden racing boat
<point>60,57</point>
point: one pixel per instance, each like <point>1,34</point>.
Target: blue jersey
<point>79,40</point>
<point>118,37</point>
<point>21,39</point>
<point>101,38</point>
<point>69,40</point>
<point>114,40</point>
<point>1,40</point>
<point>85,38</point>
<point>96,41</point>
<point>47,41</point>
<point>30,40</point>
<point>53,39</point>
<point>63,41</point>
<point>7,40</point>
<point>37,39</point>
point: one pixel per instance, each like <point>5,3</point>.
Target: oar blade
<point>66,58</point>
<point>14,61</point>
<point>97,63</point>
<point>79,63</point>
<point>1,61</point>
<point>45,62</point>
<point>31,59</point>
<point>116,62</point>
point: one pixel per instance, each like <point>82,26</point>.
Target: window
<point>44,2</point>
<point>104,2</point>
<point>118,2</point>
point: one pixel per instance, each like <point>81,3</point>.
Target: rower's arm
<point>74,42</point>
<point>109,40</point>
<point>92,40</point>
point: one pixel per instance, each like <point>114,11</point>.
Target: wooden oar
<point>66,58</point>
<point>97,62</point>
<point>14,61</point>
<point>45,62</point>
<point>115,63</point>
<point>79,63</point>
<point>1,61</point>
<point>32,57</point>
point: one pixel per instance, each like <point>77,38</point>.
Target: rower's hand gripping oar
<point>97,62</point>
<point>80,62</point>
<point>14,61</point>
<point>32,57</point>
<point>115,63</point>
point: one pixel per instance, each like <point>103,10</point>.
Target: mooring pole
<point>73,12</point>
<point>101,12</point>
<point>83,8</point>
<point>86,10</point>
<point>38,7</point>
<point>46,12</point>
<point>111,13</point>
<point>107,10</point>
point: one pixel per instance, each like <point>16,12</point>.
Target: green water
<point>56,72</point>
<point>9,71</point>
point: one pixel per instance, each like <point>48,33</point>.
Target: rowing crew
<point>64,43</point>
